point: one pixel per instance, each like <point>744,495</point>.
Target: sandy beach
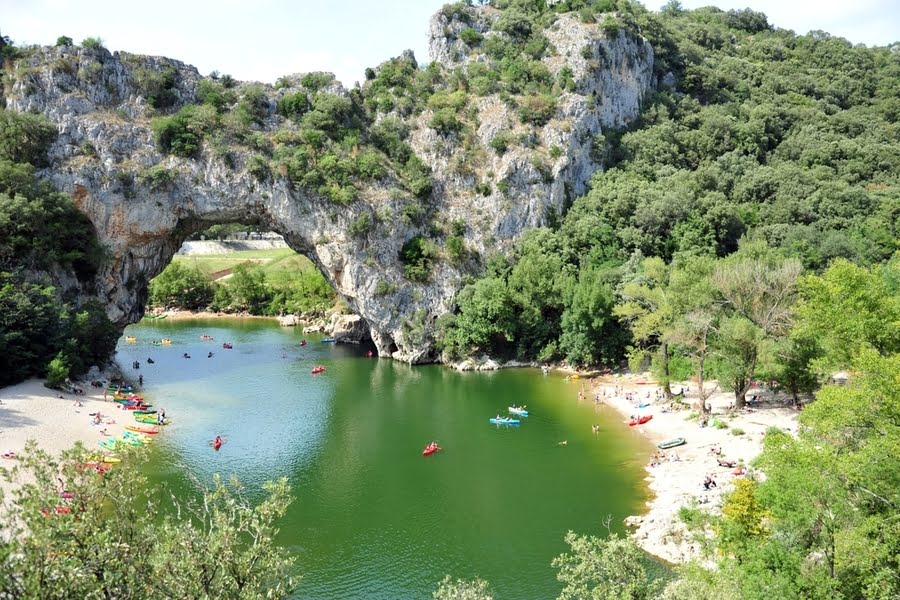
<point>31,411</point>
<point>677,480</point>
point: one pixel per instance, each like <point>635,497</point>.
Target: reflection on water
<point>373,518</point>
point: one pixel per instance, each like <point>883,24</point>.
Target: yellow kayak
<point>130,339</point>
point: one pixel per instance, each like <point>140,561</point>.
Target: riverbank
<point>54,419</point>
<point>676,478</point>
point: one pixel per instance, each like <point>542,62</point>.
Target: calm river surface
<point>372,517</point>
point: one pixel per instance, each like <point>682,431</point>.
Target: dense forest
<point>766,137</point>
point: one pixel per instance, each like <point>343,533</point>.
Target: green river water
<point>373,518</point>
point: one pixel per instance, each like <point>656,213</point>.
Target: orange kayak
<point>139,429</point>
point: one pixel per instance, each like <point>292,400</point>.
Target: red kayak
<point>217,444</point>
<point>430,449</point>
<point>640,421</point>
<point>317,370</point>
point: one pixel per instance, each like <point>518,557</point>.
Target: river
<point>372,518</point>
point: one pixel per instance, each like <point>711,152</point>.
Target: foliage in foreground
<point>109,540</point>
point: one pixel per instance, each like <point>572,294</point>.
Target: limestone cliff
<point>105,156</point>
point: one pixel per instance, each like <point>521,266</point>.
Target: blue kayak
<point>518,411</point>
<point>329,341</point>
<point>506,421</point>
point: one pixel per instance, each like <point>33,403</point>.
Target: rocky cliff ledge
<point>144,202</point>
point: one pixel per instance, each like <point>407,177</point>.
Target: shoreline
<point>677,479</point>
<point>28,410</point>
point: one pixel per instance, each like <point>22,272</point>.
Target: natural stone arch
<point>105,151</point>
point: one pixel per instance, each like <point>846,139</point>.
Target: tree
<point>697,316</point>
<point>757,290</point>
<point>477,589</point>
<point>603,569</point>
<point>848,309</point>
<point>107,539</point>
<point>646,308</point>
<point>179,286</point>
<point>791,366</point>
<point>587,324</point>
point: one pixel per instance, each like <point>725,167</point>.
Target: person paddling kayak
<point>217,443</point>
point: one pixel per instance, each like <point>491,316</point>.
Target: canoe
<point>146,411</point>
<point>429,450</point>
<point>507,421</point>
<point>166,342</point>
<point>111,460</point>
<point>517,411</point>
<point>640,421</point>
<point>670,443</point>
<point>139,429</point>
<point>151,420</point>
<point>130,339</point>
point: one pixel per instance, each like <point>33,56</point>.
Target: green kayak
<point>670,443</point>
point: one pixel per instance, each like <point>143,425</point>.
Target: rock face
<point>105,150</point>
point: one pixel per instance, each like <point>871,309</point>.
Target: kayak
<point>139,429</point>
<point>518,411</point>
<point>317,370</point>
<point>506,421</point>
<point>217,444</point>
<point>429,450</point>
<point>139,438</point>
<point>670,443</point>
<point>136,406</point>
<point>109,444</point>
<point>328,341</point>
<point>111,460</point>
<point>146,411</point>
<point>151,420</point>
<point>130,339</point>
<point>640,421</point>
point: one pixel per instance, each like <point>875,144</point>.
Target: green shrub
<point>316,81</point>
<point>444,121</point>
<point>57,372</point>
<point>182,133</point>
<point>258,166</point>
<point>25,137</point>
<point>501,142</point>
<point>254,103</point>
<point>719,424</point>
<point>537,110</point>
<point>470,37</point>
<point>384,288</point>
<point>158,178</point>
<point>737,431</point>
<point>158,87</point>
<point>92,43</point>
<point>361,225</point>
<point>555,152</point>
<point>456,249</point>
<point>214,93</point>
<point>64,41</point>
<point>417,256</point>
<point>610,25</point>
<point>294,106</point>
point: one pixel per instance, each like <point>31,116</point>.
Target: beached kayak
<point>502,421</point>
<point>139,429</point>
<point>145,411</point>
<point>670,443</point>
<point>151,420</point>
<point>640,421</point>
<point>516,410</point>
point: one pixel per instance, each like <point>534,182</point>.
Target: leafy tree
<point>244,291</point>
<point>646,307</point>
<point>182,287</point>
<point>111,540</point>
<point>588,332</point>
<point>848,309</point>
<point>603,569</point>
<point>477,589</point>
<point>29,328</point>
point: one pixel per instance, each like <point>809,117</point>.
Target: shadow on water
<point>372,517</point>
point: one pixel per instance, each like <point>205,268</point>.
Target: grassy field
<point>272,262</point>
